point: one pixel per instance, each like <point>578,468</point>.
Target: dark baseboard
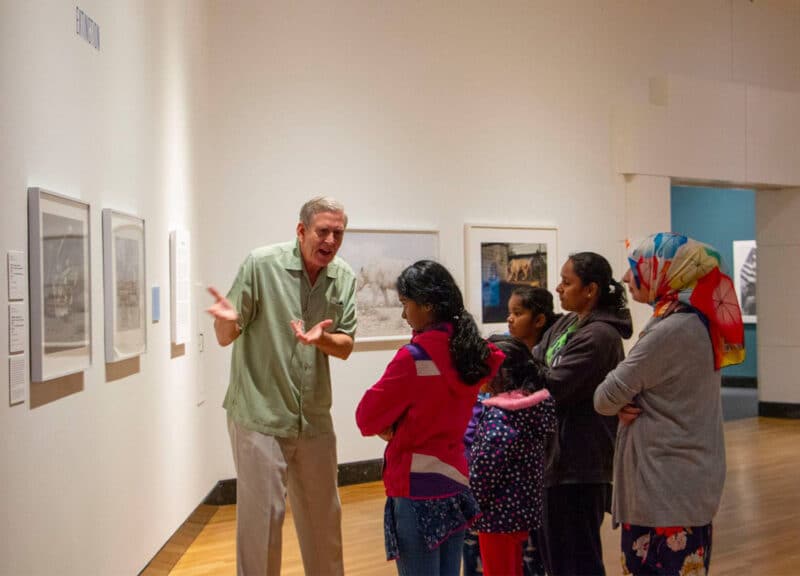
<point>223,494</point>
<point>360,472</point>
<point>779,410</point>
<point>739,382</point>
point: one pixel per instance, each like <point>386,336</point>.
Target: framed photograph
<point>377,257</point>
<point>499,258</point>
<point>60,285</point>
<point>744,277</point>
<point>124,287</point>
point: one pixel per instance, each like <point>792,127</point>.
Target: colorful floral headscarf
<point>675,270</point>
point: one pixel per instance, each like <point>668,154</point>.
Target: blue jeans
<point>472,554</point>
<point>415,559</point>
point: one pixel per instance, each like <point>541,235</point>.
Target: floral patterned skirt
<point>672,551</point>
<point>437,519</point>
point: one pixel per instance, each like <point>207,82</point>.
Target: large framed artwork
<point>744,277</point>
<point>499,258</point>
<point>124,286</point>
<point>60,285</point>
<point>377,256</point>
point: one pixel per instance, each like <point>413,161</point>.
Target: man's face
<point>320,242</point>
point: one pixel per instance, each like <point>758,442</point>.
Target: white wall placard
<point>17,329</point>
<point>16,379</point>
<point>179,288</point>
<point>17,287</point>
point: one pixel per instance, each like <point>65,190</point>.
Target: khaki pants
<point>265,467</point>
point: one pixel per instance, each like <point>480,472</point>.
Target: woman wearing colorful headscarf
<point>669,462</point>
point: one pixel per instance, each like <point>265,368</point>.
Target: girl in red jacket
<point>421,405</point>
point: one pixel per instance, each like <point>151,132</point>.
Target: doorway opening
<point>724,217</point>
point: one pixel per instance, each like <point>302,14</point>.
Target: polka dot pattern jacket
<point>506,460</point>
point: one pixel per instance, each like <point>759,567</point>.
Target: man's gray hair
<point>320,204</point>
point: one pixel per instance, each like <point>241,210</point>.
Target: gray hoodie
<point>582,449</point>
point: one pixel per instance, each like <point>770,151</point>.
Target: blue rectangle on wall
<point>156,300</point>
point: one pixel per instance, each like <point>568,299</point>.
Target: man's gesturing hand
<point>221,308</point>
<point>313,335</point>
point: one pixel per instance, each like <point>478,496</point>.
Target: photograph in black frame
<point>500,257</point>
<point>504,266</point>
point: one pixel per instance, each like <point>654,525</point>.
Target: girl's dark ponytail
<point>468,350</point>
<point>616,298</point>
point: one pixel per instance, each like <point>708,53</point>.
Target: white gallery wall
<point>436,114</point>
<point>223,117</point>
<point>97,481</point>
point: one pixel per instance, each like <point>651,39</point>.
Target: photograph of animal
<point>378,257</point>
<point>519,269</point>
<point>505,265</point>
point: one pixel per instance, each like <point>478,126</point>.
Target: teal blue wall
<point>718,217</point>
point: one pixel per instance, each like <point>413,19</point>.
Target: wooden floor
<point>757,530</point>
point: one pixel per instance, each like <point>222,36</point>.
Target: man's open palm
<point>313,335</point>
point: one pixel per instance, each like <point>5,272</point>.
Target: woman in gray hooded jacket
<point>579,350</point>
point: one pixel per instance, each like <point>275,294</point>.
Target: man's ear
<point>301,230</point>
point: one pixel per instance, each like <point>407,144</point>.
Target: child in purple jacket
<point>506,459</point>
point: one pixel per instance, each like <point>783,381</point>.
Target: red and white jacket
<point>422,396</point>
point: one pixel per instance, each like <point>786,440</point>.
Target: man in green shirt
<point>279,397</point>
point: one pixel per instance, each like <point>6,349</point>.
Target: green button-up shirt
<point>278,385</point>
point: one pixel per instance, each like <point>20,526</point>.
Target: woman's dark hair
<point>591,267</point>
<point>428,282</point>
<point>520,370</point>
<point>538,301</point>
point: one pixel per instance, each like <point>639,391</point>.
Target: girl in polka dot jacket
<point>506,459</point>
